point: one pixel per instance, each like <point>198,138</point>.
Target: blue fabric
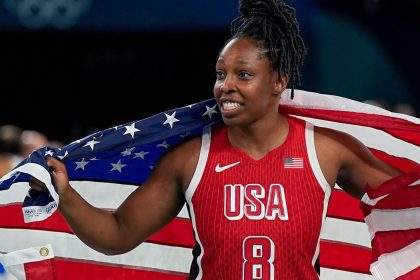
<point>124,154</point>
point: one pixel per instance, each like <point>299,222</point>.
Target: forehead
<point>241,51</point>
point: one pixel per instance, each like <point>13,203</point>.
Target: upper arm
<point>351,163</point>
<point>160,198</point>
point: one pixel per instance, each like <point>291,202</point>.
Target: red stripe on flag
<point>401,163</point>
<point>390,241</point>
<point>400,195</point>
<point>400,128</point>
<point>343,256</point>
<point>37,270</point>
<point>177,233</point>
<point>412,275</point>
<point>395,184</point>
<point>70,270</point>
<point>343,206</point>
<point>12,217</point>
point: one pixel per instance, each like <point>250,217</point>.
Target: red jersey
<point>257,219</point>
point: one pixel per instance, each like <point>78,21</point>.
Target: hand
<point>59,175</point>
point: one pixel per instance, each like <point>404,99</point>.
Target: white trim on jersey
<point>323,183</point>
<point>198,173</point>
<point>313,159</point>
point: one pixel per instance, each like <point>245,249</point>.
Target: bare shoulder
<point>345,160</point>
<point>337,142</point>
<point>331,149</point>
<point>347,149</point>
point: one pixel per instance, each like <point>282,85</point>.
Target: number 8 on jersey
<point>258,252</point>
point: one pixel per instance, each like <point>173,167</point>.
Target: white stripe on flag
<point>386,220</point>
<point>333,274</point>
<point>33,254</point>
<point>346,231</point>
<point>314,100</point>
<point>374,138</point>
<point>393,265</point>
<point>65,245</point>
<point>15,194</point>
<point>94,192</point>
<point>415,183</point>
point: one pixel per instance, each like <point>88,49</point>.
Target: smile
<point>228,105</point>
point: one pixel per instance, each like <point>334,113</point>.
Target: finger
<point>36,184</point>
<point>54,164</point>
<point>51,161</point>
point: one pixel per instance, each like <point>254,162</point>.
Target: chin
<point>232,121</point>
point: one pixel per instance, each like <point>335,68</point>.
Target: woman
<point>258,185</point>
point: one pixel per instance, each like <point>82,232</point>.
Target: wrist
<point>65,194</point>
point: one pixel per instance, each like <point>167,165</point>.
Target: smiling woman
<point>240,68</point>
<point>262,177</point>
<point>256,179</point>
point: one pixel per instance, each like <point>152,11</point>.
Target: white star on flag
<point>65,154</point>
<point>127,152</point>
<point>163,145</point>
<point>91,144</point>
<point>131,129</point>
<point>140,154</point>
<point>118,166</point>
<point>170,119</point>
<point>210,111</point>
<point>81,164</point>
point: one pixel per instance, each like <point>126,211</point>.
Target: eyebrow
<point>238,62</point>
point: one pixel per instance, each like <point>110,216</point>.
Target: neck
<point>260,138</point>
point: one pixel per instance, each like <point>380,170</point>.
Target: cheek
<point>216,90</point>
<point>262,96</point>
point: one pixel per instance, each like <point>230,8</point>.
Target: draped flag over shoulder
<point>108,165</point>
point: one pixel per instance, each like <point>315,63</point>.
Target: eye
<point>244,75</point>
<point>219,75</point>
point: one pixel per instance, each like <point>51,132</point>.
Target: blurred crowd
<point>401,108</point>
<point>16,144</point>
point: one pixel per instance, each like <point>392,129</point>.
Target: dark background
<point>81,69</point>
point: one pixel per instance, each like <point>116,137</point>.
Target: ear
<point>281,83</point>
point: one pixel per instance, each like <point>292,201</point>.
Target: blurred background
<point>71,67</point>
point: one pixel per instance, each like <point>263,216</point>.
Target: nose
<point>227,85</point>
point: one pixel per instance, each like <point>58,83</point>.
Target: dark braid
<point>273,24</point>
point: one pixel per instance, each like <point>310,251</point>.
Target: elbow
<point>111,253</point>
<point>116,250</point>
<point>113,250</point>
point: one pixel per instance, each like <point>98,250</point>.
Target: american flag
<point>108,165</point>
<point>293,162</point>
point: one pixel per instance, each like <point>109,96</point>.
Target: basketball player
<point>258,185</point>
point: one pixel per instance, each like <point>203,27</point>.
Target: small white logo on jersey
<point>223,168</point>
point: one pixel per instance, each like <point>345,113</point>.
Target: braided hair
<point>273,25</point>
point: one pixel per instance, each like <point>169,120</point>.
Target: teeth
<point>230,105</point>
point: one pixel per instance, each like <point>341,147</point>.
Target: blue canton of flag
<point>293,162</point>
<point>124,154</point>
